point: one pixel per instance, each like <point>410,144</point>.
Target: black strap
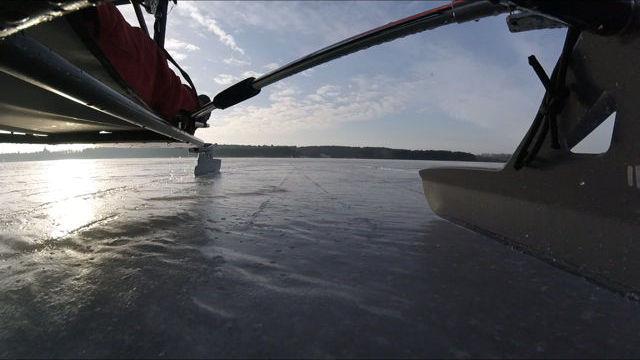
<point>184,73</point>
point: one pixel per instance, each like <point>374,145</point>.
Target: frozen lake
<point>274,258</point>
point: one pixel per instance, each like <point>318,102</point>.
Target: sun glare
<point>70,194</point>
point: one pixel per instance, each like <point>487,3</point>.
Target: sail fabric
<point>140,63</point>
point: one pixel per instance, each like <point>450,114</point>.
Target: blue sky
<point>461,87</point>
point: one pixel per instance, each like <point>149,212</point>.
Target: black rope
<point>182,72</point>
<point>160,13</point>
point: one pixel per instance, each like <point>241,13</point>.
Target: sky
<point>461,87</point>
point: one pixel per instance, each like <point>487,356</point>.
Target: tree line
<point>342,152</point>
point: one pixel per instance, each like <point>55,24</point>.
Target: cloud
<point>284,94</point>
<point>225,79</point>
<point>271,66</point>
<point>178,56</point>
<point>324,21</point>
<point>308,73</point>
<point>190,10</point>
<point>248,74</point>
<point>291,110</point>
<point>228,79</point>
<point>174,44</point>
<point>328,90</point>
<point>178,48</point>
<point>234,61</point>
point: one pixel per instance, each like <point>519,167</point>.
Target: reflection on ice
<point>70,185</point>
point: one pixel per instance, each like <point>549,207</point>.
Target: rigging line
<point>140,16</point>
<point>184,74</point>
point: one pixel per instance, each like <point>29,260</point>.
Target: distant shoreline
<point>264,151</point>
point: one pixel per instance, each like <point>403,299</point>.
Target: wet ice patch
<point>11,244</point>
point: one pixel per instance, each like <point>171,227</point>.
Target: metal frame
<point>160,24</point>
<point>30,61</point>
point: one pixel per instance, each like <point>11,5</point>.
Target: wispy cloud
<point>192,11</point>
<point>178,48</point>
<point>326,21</point>
<point>178,56</point>
<point>328,90</point>
<point>228,79</point>
<point>251,73</point>
<point>225,79</point>
<point>271,66</point>
<point>234,61</point>
<point>292,109</point>
<point>175,44</point>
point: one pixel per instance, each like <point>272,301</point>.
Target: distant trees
<point>260,151</point>
<point>255,151</point>
<point>382,153</point>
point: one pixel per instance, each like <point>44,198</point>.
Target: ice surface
<point>277,258</point>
